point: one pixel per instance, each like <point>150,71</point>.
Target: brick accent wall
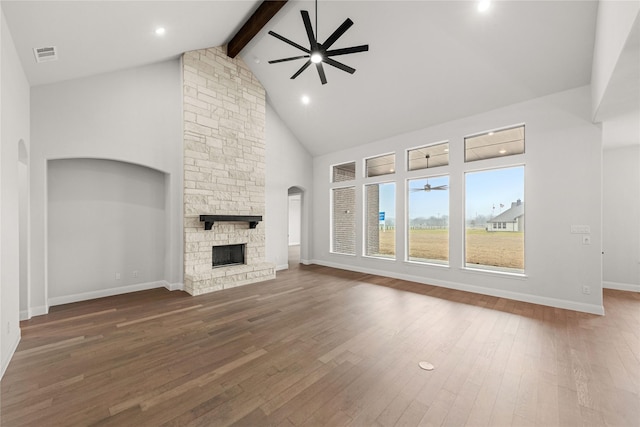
<point>344,220</point>
<point>224,168</point>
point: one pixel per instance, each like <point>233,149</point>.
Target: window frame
<point>431,263</point>
<point>364,220</point>
<point>484,269</point>
<point>418,147</point>
<point>487,132</point>
<point>365,170</point>
<point>333,166</point>
<point>332,220</point>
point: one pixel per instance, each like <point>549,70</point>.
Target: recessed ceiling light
<point>502,151</point>
<point>490,133</point>
<point>446,150</point>
<point>484,5</point>
<point>305,100</point>
<point>160,31</point>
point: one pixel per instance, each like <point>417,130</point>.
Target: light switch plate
<point>580,229</point>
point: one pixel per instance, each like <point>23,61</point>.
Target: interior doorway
<point>295,226</point>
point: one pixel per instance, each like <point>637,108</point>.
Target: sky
<point>485,191</point>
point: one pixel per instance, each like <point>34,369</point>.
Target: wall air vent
<point>45,54</point>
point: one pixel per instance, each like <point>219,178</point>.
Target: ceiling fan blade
<point>339,65</point>
<point>275,61</point>
<point>286,40</point>
<point>309,28</point>
<point>414,190</point>
<point>323,78</point>
<point>304,67</point>
<point>440,187</point>
<point>337,33</point>
<point>346,50</point>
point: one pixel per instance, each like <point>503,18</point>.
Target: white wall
<point>614,23</point>
<point>14,126</point>
<point>289,164</point>
<point>620,217</point>
<point>132,116</point>
<point>104,218</point>
<point>562,187</point>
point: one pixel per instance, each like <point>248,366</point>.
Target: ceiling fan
<point>427,187</point>
<point>319,53</point>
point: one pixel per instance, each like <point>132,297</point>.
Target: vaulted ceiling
<point>428,61</point>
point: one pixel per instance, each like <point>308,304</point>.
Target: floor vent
<point>45,54</point>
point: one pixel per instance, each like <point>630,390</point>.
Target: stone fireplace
<point>224,170</point>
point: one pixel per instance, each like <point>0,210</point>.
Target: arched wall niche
<point>107,228</point>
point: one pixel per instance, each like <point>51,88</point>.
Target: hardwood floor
<point>319,346</point>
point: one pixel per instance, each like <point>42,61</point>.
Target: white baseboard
<point>174,286</point>
<point>24,315</point>
<point>621,286</point>
<point>282,267</point>
<point>534,299</point>
<point>9,356</point>
<point>306,262</point>
<point>108,292</point>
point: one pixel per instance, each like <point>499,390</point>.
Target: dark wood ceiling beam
<point>254,24</point>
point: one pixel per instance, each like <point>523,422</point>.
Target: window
<point>499,143</point>
<point>381,165</point>
<point>380,220</point>
<point>344,172</point>
<point>426,157</point>
<point>495,218</point>
<point>428,220</point>
<point>343,221</point>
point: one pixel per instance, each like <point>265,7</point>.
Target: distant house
<point>510,220</point>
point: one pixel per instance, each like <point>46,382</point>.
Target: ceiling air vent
<point>45,54</point>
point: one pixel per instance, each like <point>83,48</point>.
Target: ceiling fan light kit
<point>319,53</point>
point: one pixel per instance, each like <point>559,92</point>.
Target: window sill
<point>427,263</point>
<point>378,258</point>
<point>340,253</point>
<point>495,272</point>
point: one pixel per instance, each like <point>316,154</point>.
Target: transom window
<point>429,156</point>
<point>344,172</point>
<point>380,165</point>
<point>499,143</point>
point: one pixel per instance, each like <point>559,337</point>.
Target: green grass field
<point>499,249</point>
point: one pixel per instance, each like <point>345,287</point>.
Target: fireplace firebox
<point>226,255</point>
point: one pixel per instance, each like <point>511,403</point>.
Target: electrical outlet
<point>586,290</point>
<point>117,276</point>
<point>586,239</point>
<point>135,273</point>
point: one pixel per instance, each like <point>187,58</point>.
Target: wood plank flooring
<point>325,347</point>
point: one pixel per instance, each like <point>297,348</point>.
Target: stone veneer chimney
<point>224,168</point>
